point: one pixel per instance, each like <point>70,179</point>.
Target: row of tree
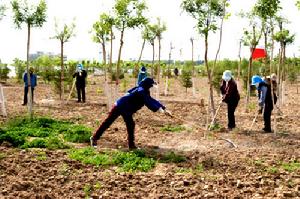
<point>209,14</point>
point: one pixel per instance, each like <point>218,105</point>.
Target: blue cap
<point>256,79</point>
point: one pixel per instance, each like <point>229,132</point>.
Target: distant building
<point>34,56</point>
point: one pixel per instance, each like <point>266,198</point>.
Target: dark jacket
<point>230,92</point>
<point>264,95</point>
<point>141,76</point>
<point>80,78</point>
<point>33,80</point>
<point>136,98</point>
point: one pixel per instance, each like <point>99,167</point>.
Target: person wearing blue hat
<point>231,96</point>
<point>264,101</point>
<point>142,74</point>
<point>80,76</point>
<point>126,106</point>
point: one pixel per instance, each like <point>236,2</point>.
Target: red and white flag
<point>259,53</point>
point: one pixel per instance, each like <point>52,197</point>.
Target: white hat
<point>227,75</point>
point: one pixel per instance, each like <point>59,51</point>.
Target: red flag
<point>259,53</point>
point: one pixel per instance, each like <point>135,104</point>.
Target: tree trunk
<point>136,68</point>
<point>28,75</point>
<point>111,50</point>
<point>141,53</point>
<point>248,79</point>
<point>62,89</point>
<point>153,55</point>
<point>104,59</point>
<point>240,62</point>
<point>211,91</point>
<point>193,72</point>
<point>158,67</point>
<point>119,57</point>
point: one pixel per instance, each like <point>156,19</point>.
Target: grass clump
<point>170,128</point>
<point>291,166</point>
<point>2,156</point>
<point>42,132</point>
<point>77,134</point>
<point>127,161</point>
<point>172,157</point>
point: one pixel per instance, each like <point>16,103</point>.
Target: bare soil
<point>252,170</point>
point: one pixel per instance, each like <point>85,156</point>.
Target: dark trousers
<point>80,93</point>
<point>230,114</point>
<point>26,94</point>
<point>112,116</point>
<point>267,117</point>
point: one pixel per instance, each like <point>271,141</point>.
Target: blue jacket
<point>33,80</point>
<point>135,99</point>
<point>264,95</point>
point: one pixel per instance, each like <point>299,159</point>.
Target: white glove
<point>161,110</point>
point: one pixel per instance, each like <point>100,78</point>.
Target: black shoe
<point>93,142</point>
<point>24,104</point>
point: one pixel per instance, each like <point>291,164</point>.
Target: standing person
<point>231,96</point>
<point>264,101</point>
<point>33,83</point>
<point>142,74</point>
<point>80,75</point>
<point>126,106</point>
<point>176,72</point>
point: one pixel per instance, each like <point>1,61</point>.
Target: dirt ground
<point>252,170</point>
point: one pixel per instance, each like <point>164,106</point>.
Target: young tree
<point>129,14</point>
<point>266,10</point>
<point>32,16</point>
<point>186,79</point>
<point>284,38</point>
<point>158,29</point>
<point>151,38</point>
<point>168,70</point>
<point>63,35</point>
<point>102,30</point>
<point>207,13</point>
<point>251,38</point>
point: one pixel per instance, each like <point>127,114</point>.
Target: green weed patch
<point>170,128</point>
<point>127,161</point>
<point>172,157</point>
<point>43,133</point>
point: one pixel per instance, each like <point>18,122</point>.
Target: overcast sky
<point>180,28</point>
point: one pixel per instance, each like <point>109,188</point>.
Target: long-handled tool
<point>73,85</point>
<point>253,121</point>
<point>215,116</point>
<point>200,127</point>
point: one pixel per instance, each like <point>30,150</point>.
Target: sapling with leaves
<point>159,28</point>
<point>186,79</point>
<point>128,15</point>
<point>284,37</point>
<point>32,16</point>
<point>207,13</point>
<point>63,34</point>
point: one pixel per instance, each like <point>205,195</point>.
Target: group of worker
<point>138,96</point>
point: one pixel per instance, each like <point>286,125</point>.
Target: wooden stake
<point>2,101</point>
